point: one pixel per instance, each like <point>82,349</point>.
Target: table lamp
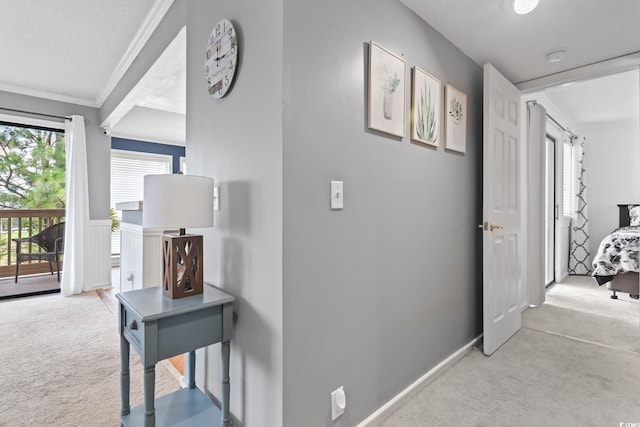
<point>176,202</point>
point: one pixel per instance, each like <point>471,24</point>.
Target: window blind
<point>127,180</point>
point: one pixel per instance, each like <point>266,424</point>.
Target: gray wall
<point>237,140</point>
<point>611,151</point>
<point>98,144</point>
<point>370,297</point>
<point>377,294</point>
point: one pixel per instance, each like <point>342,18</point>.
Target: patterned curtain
<point>579,256</point>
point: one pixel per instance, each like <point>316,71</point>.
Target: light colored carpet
<point>579,308</point>
<point>61,363</point>
<point>540,378</point>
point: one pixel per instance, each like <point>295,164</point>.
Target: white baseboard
<point>401,398</point>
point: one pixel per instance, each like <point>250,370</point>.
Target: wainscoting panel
<point>98,259</point>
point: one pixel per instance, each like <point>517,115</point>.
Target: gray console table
<point>158,328</point>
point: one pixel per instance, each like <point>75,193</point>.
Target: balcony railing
<point>24,223</point>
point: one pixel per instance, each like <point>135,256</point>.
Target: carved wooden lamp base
<point>182,267</point>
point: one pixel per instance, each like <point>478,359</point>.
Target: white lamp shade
<point>177,201</point>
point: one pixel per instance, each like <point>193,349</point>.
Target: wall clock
<point>221,57</point>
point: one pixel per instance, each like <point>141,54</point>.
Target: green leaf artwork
<point>426,123</point>
<point>455,110</point>
<point>390,82</point>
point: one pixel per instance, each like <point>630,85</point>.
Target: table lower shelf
<point>183,408</point>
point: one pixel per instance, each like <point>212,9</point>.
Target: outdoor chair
<point>51,240</point>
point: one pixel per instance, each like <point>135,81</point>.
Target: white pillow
<point>634,215</point>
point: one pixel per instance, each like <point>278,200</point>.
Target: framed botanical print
<point>456,120</point>
<point>425,107</point>
<point>386,91</point>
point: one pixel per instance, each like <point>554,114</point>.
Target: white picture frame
<point>387,88</point>
<point>456,120</point>
<point>426,108</point>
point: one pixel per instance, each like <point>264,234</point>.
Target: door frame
<point>527,88</point>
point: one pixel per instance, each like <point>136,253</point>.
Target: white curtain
<point>536,134</point>
<point>77,203</point>
<point>579,256</point>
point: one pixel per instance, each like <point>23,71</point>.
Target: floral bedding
<point>619,252</point>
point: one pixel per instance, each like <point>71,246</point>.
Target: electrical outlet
<point>338,402</point>
<point>337,195</point>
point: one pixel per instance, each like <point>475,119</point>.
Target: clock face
<point>221,57</point>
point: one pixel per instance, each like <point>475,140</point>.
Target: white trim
<point>98,262</point>
<point>151,22</point>
<point>47,95</point>
<point>401,398</point>
<point>586,72</point>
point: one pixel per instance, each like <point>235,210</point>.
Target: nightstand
<point>159,327</point>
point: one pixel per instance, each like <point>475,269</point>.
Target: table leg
<point>224,403</point>
<point>149,395</point>
<point>125,379</point>
<point>191,360</point>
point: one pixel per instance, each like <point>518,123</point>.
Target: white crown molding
<point>586,72</point>
<point>151,22</point>
<point>47,95</point>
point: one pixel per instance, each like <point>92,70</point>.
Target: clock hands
<point>218,58</point>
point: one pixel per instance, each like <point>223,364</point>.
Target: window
<point>32,167</point>
<point>127,180</point>
<point>568,172</point>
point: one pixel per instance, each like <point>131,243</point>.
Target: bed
<point>617,261</point>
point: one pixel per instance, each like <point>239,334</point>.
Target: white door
<point>550,211</point>
<point>501,210</point>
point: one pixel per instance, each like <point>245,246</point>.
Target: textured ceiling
<point>606,99</point>
<point>490,31</point>
<point>66,49</point>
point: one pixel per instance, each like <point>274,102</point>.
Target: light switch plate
<point>337,195</point>
<point>216,198</point>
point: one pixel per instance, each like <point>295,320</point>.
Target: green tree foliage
<point>32,168</point>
